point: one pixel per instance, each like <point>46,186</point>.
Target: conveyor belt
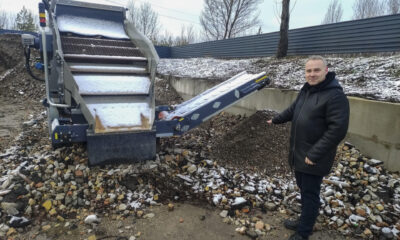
<point>106,68</point>
<point>195,111</point>
<point>95,46</point>
<point>74,40</point>
<point>192,105</point>
<point>106,84</point>
<point>102,57</point>
<point>112,77</point>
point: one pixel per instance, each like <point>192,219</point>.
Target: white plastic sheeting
<point>112,84</point>
<point>212,94</point>
<point>91,27</point>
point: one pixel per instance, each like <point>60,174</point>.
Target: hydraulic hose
<point>46,74</point>
<point>46,4</point>
<point>27,52</point>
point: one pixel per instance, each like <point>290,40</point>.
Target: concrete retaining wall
<point>374,126</point>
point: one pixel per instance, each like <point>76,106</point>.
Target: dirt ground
<point>188,221</point>
<point>20,98</point>
<point>12,116</point>
<point>20,95</point>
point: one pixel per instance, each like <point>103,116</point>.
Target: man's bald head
<point>316,70</point>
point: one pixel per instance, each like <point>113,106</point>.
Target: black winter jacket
<point>320,118</point>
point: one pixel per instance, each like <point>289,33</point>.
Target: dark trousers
<point>310,187</point>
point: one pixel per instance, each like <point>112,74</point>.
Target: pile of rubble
<point>253,145</point>
<point>16,84</point>
<point>360,197</point>
<point>41,186</point>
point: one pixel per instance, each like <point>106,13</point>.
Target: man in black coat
<point>320,118</point>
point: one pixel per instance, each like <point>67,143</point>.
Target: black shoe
<point>291,224</point>
<point>297,236</point>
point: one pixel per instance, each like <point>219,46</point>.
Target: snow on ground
<point>6,73</point>
<point>91,26</point>
<point>374,77</point>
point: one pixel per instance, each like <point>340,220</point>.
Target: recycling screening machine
<point>99,76</point>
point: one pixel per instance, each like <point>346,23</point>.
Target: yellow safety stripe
<point>260,79</point>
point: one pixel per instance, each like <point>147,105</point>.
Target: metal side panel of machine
<point>193,112</point>
<point>121,147</point>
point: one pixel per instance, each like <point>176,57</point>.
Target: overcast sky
<point>175,13</point>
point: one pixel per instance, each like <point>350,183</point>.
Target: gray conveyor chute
<point>193,112</point>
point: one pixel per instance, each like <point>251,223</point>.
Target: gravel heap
<point>40,186</point>
<point>255,146</point>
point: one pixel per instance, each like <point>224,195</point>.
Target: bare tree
<point>7,19</point>
<point>187,36</point>
<point>278,9</point>
<point>3,20</point>
<point>132,11</point>
<point>284,30</point>
<point>145,19</point>
<point>259,31</point>
<point>393,6</point>
<point>165,39</point>
<point>191,35</point>
<point>223,19</point>
<point>368,8</point>
<point>334,12</point>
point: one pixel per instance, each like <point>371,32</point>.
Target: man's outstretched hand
<point>309,162</point>
<point>269,122</point>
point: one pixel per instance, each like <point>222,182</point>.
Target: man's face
<point>315,72</point>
